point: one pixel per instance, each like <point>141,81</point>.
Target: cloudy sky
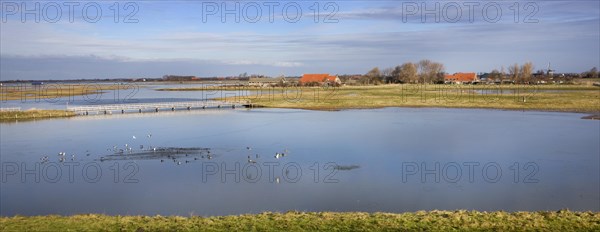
<point>205,38</point>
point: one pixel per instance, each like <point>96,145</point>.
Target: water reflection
<point>390,160</point>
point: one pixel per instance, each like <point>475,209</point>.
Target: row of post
<point>157,109</point>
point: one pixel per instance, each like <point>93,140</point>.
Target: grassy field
<point>50,91</point>
<point>12,116</point>
<point>562,98</point>
<point>26,92</point>
<point>325,221</point>
<point>581,86</point>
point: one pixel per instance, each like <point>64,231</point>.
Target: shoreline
<point>583,99</point>
<point>52,91</point>
<point>41,114</point>
<point>591,113</point>
<point>34,114</point>
<point>435,220</point>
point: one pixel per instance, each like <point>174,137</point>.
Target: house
<point>266,82</point>
<point>321,79</point>
<point>461,78</point>
<point>179,78</point>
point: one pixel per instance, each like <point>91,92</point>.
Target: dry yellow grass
<point>31,92</point>
<point>12,116</point>
<point>460,220</point>
<point>568,98</point>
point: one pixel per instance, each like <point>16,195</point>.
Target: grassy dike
<point>324,221</point>
<point>52,91</point>
<point>566,98</point>
<point>13,116</point>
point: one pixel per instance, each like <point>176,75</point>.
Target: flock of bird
<point>62,157</point>
<point>278,155</point>
<point>178,156</point>
<point>178,162</point>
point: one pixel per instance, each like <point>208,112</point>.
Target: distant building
<point>266,82</point>
<point>37,83</point>
<point>320,79</point>
<point>179,78</point>
<point>461,78</point>
<point>550,71</point>
<point>292,80</point>
<point>483,77</point>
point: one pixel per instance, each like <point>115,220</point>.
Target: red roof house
<point>460,78</point>
<point>319,78</point>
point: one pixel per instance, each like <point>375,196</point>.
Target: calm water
<point>130,93</point>
<point>391,160</point>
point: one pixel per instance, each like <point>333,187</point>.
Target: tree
<point>513,72</point>
<point>430,71</point>
<point>395,75</point>
<point>593,73</point>
<point>374,76</point>
<point>387,75</point>
<point>525,72</point>
<point>495,75</point>
<point>437,73</point>
<point>407,72</point>
<point>423,67</point>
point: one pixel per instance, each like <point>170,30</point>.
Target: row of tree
<point>427,71</point>
<point>593,73</point>
<point>424,71</point>
<point>516,73</point>
<point>524,74</point>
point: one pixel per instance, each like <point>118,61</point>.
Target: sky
<point>42,40</point>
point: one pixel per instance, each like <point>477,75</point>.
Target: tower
<point>549,71</point>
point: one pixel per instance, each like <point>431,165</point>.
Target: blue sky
<point>182,37</point>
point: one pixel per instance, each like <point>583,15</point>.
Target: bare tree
<point>593,73</point>
<point>430,71</point>
<point>437,72</point>
<point>395,75</point>
<point>513,72</point>
<point>387,75</point>
<point>374,76</point>
<point>526,70</point>
<point>495,75</point>
<point>423,67</point>
<point>407,72</point>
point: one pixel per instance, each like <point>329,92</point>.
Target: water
<point>381,160</point>
<point>130,93</point>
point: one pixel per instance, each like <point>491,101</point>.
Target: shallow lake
<point>221,162</point>
<point>129,93</point>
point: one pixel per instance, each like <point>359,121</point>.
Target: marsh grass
<point>564,98</point>
<point>12,116</point>
<point>317,221</point>
<point>50,91</point>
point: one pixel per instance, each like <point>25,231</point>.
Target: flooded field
<point>234,161</point>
